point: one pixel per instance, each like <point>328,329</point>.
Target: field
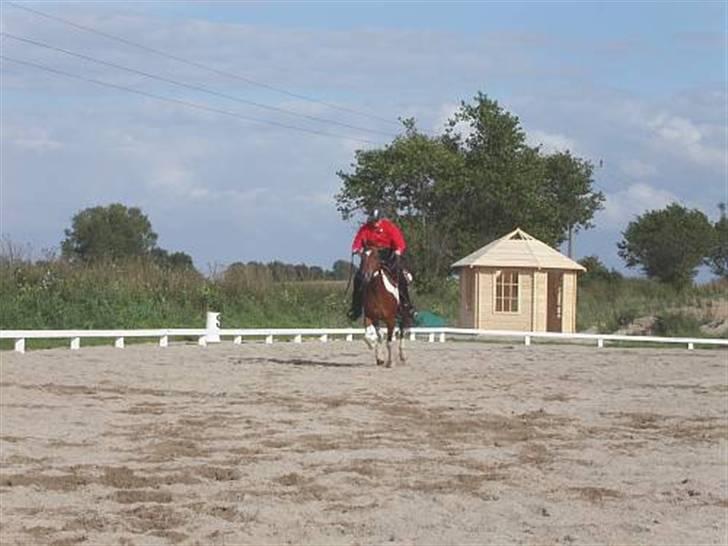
<point>467,443</point>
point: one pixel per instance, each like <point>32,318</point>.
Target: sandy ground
<point>468,443</point>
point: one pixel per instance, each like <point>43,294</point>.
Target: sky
<point>639,88</point>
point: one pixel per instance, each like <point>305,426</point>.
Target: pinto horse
<point>380,301</point>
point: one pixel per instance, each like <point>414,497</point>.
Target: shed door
<point>554,301</point>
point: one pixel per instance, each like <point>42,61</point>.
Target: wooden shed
<point>518,283</point>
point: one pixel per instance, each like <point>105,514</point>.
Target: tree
<point>110,232</point>
<point>668,244</point>
<point>172,260</point>
<point>341,270</point>
<point>455,192</point>
<point>717,258</point>
<point>597,271</point>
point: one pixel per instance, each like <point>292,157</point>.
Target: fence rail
<point>213,334</point>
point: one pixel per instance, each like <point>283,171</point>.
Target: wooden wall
<point>568,306</point>
<point>477,301</point>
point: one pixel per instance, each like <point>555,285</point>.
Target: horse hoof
<point>389,365</point>
<point>380,362</point>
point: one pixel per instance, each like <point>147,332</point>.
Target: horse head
<point>370,263</point>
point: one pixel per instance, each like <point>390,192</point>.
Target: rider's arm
<point>358,243</point>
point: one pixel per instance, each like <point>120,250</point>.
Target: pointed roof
<point>518,249</point>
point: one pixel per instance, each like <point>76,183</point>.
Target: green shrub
<point>677,325</point>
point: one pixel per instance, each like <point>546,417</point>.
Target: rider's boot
<point>405,304</point>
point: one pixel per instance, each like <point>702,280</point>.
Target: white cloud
<point>551,142</point>
<point>445,113</point>
<point>636,168</point>
<point>623,206</point>
<point>695,142</point>
<point>32,139</point>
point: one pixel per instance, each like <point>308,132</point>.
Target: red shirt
<point>381,233</point>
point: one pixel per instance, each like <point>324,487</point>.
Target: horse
<point>380,301</point>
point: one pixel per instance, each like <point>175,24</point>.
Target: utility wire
<point>190,86</point>
<point>199,65</point>
<point>184,102</point>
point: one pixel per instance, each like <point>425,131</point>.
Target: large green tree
<point>668,244</point>
<point>110,232</point>
<point>455,192</point>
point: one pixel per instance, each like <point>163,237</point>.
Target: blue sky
<point>638,85</point>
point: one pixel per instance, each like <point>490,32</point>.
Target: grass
<point>141,294</point>
<point>605,306</point>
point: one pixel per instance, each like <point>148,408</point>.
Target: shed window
<point>506,292</point>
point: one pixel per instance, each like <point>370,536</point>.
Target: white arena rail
<point>213,334</point>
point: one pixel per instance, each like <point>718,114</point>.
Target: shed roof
<point>518,249</point>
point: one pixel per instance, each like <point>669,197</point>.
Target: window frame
<point>507,302</point>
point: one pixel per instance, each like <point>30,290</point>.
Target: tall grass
<point>141,294</point>
<point>608,305</point>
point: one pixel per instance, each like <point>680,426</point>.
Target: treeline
<point>278,271</point>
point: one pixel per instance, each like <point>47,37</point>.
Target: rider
<point>384,234</point>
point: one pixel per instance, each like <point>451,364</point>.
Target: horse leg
<point>402,333</point>
<point>369,338</point>
<point>377,342</point>
<point>390,332</point>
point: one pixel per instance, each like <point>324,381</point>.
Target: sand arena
<point>469,443</point>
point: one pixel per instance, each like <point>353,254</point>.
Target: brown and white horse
<point>381,304</point>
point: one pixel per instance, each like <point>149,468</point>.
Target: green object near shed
<point>429,319</point>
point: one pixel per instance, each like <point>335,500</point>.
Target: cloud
<point>623,206</point>
<point>637,169</point>
<point>34,139</point>
<point>690,140</point>
<point>551,142</point>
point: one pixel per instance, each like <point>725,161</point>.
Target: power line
<point>184,102</point>
<point>190,86</point>
<point>200,65</point>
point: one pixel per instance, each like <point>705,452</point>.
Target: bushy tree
<point>172,260</point>
<point>717,259</point>
<point>597,271</point>
<point>341,270</point>
<point>668,244</point>
<point>110,232</point>
<point>457,191</point>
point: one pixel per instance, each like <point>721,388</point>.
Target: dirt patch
<point>141,495</point>
<point>595,494</point>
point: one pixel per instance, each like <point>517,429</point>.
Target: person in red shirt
<point>381,232</point>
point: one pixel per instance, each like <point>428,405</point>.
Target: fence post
<point>349,337</point>
<point>119,343</point>
<point>413,336</point>
<point>324,338</point>
<point>297,338</point>
<point>20,345</point>
<point>75,343</point>
<point>431,338</point>
<point>691,346</point>
<point>527,341</point>
<point>442,337</point>
<point>213,327</point>
<point>163,341</point>
<point>269,340</point>
<point>237,340</point>
<point>202,341</point>
<point>600,342</point>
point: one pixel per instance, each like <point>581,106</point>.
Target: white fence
<point>213,333</point>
